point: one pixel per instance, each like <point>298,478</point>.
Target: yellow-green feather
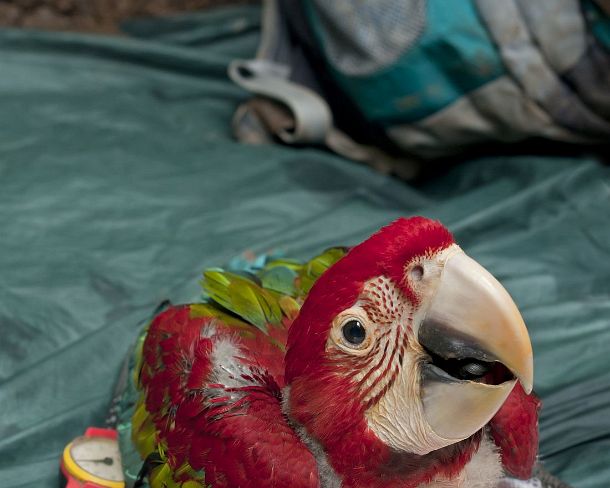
<point>263,299</point>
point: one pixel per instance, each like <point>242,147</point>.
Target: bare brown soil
<point>93,15</point>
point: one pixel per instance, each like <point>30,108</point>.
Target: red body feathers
<point>235,432</point>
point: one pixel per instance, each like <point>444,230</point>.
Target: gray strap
<point>259,119</point>
<point>312,115</point>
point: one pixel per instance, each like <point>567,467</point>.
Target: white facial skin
<point>389,357</point>
<point>386,358</point>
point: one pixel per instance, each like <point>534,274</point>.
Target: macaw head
<point>403,353</point>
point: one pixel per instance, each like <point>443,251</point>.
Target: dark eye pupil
<point>354,332</point>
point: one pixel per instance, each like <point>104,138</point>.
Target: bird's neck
<point>356,457</point>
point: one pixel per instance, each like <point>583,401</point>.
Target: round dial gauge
<point>95,459</point>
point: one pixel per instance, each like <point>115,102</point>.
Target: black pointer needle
<point>107,460</point>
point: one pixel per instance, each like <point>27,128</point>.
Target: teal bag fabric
<point>120,182</point>
<point>410,67</point>
<point>429,78</point>
<point>448,54</point>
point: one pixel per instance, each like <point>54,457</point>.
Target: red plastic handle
<point>72,483</point>
<point>99,432</point>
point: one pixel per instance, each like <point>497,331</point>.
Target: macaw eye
<point>354,332</point>
<point>417,272</point>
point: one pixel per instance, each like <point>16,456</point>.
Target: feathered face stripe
<point>381,307</point>
<point>384,254</point>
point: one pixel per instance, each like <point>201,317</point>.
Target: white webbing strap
<point>311,115</point>
<point>298,115</point>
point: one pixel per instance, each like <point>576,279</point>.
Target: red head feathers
<point>401,355</point>
<point>385,253</point>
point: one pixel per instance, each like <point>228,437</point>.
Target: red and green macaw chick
<point>407,365</point>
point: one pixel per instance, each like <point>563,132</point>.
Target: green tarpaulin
<point>119,183</point>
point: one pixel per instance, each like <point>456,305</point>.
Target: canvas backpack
<point>382,81</point>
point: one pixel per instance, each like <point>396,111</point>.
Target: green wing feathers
<point>266,295</point>
<point>243,296</point>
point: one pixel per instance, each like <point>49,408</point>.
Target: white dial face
<point>99,456</point>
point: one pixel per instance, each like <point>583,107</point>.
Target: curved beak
<point>478,345</point>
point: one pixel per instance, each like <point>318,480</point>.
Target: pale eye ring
<point>353,332</point>
<point>417,272</point>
